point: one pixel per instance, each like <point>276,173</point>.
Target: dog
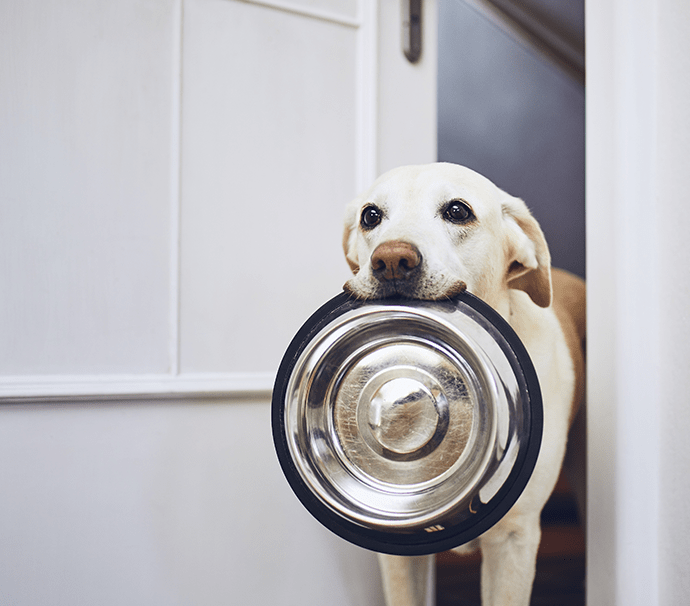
<point>430,232</point>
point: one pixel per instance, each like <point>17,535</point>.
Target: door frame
<point>637,145</point>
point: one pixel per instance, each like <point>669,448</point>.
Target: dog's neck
<point>503,305</point>
<point>499,299</point>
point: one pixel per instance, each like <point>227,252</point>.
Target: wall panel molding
<point>311,12</point>
<point>96,388</point>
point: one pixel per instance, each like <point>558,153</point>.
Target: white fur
<point>502,257</point>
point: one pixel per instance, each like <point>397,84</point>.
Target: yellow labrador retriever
<point>429,232</point>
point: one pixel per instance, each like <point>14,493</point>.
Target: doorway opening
<point>511,105</point>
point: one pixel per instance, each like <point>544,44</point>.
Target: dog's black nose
<point>395,260</point>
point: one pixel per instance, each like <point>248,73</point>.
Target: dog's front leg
<point>509,559</point>
<point>406,579</point>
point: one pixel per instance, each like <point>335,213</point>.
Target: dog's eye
<point>371,217</point>
<point>458,212</point>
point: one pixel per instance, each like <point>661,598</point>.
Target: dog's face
<point>430,231</point>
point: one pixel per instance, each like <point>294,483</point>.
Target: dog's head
<point>430,231</point>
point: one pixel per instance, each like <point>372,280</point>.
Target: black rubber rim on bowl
<point>420,543</point>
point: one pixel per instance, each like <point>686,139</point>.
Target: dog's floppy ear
<point>349,237</point>
<point>529,260</point>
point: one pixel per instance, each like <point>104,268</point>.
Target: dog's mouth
<point>405,289</point>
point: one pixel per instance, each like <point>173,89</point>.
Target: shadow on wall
<point>510,113</point>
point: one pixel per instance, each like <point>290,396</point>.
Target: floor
<point>560,579</point>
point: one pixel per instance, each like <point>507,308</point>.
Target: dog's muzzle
<point>407,427</point>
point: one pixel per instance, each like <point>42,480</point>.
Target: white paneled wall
<point>172,180</point>
<point>153,504</point>
<point>269,161</point>
<point>87,179</point>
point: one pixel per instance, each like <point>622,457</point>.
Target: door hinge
<point>412,29</point>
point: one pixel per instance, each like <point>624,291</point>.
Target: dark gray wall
<point>508,113</point>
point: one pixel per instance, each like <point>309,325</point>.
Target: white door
<point>172,179</point>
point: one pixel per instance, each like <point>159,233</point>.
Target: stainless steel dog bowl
<point>407,427</point>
